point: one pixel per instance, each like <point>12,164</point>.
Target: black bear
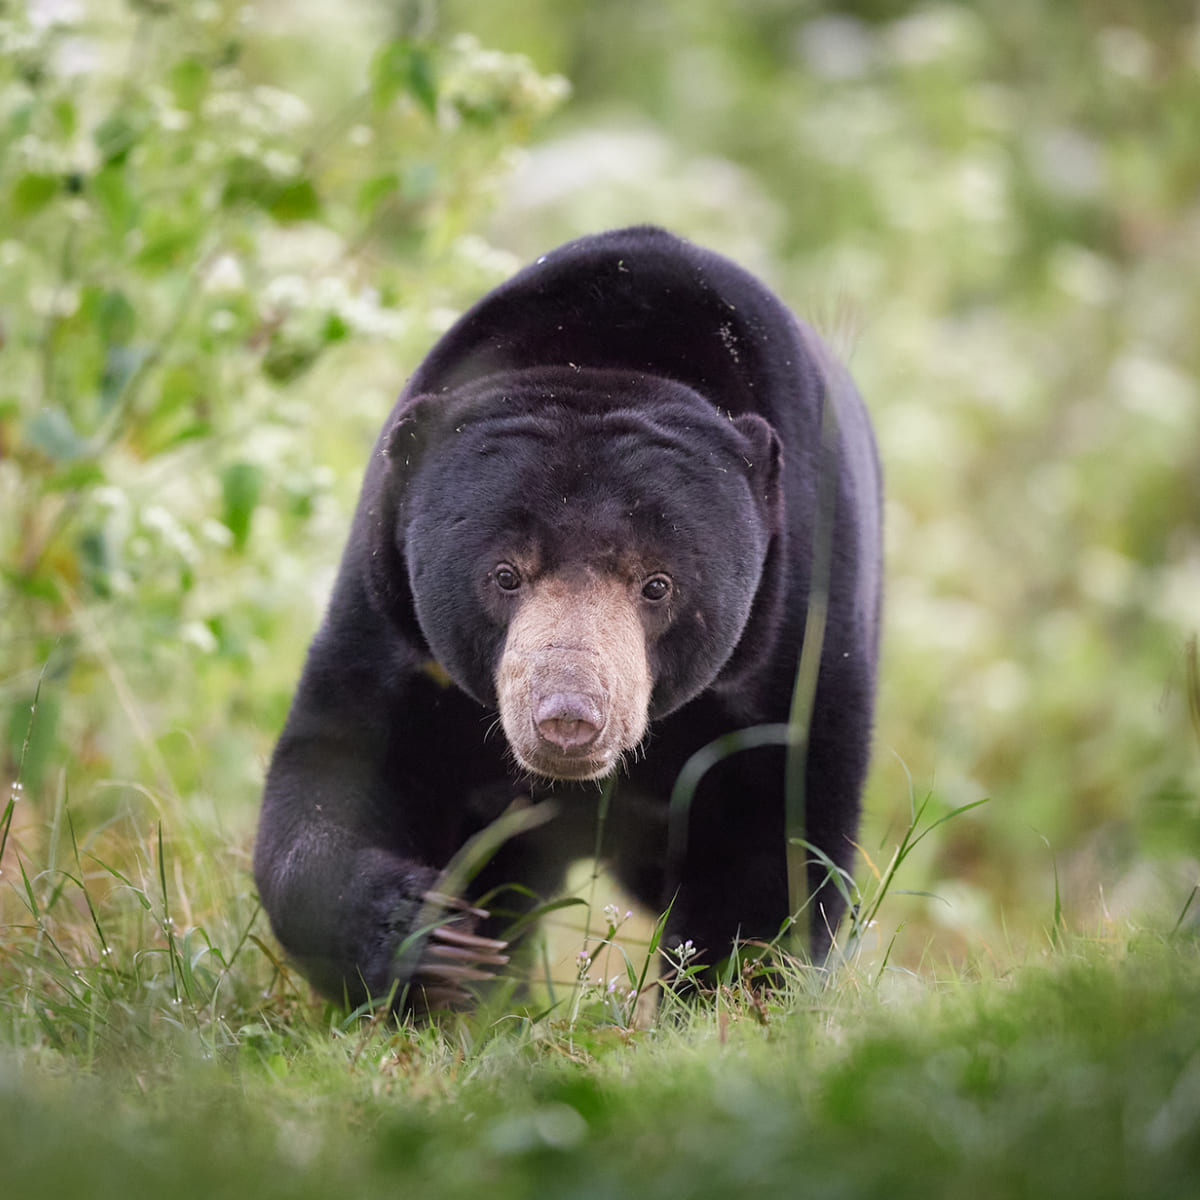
<point>593,510</point>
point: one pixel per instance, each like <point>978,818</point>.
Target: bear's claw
<point>453,957</point>
<point>444,901</point>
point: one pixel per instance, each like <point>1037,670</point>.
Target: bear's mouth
<point>566,765</point>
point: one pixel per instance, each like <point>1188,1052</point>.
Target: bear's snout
<point>573,682</point>
<point>568,720</point>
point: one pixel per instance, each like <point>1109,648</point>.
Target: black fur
<point>627,391</point>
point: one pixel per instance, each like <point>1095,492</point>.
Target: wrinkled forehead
<point>623,455</point>
<point>623,487</point>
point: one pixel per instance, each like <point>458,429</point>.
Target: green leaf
<point>246,182</point>
<point>241,488</point>
<point>80,474</point>
<point>376,190</point>
<point>249,182</point>
<point>38,586</point>
<point>334,328</point>
<point>63,110</point>
<point>33,191</point>
<point>178,408</point>
<point>294,200</point>
<point>181,385</point>
<point>116,318</point>
<point>285,360</point>
<point>120,365</point>
<point>115,136</point>
<point>422,82</point>
<point>189,84</point>
<point>168,247</point>
<point>51,432</point>
<point>20,121</point>
<point>97,559</point>
<point>404,66</point>
<point>110,192</point>
<point>194,431</point>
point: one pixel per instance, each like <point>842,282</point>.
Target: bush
<point>210,285</point>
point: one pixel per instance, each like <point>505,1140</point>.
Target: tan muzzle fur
<point>574,680</point>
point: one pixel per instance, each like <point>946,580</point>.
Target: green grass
<point>152,1044</point>
<point>1079,1076</point>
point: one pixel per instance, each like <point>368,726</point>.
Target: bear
<point>583,551</point>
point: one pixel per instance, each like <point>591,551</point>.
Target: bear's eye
<point>506,577</point>
<point>656,588</point>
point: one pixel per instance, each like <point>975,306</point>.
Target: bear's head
<point>581,549</point>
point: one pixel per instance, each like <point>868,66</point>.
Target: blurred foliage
<point>201,252</point>
<point>228,231</point>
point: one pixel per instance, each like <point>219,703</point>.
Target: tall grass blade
<point>694,770</point>
<point>1187,904</point>
<point>6,823</point>
<point>168,924</point>
<point>87,896</point>
<point>11,807</point>
<point>804,691</point>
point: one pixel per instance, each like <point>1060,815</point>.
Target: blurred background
<point>229,231</point>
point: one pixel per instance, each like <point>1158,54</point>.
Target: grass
<point>1079,1078</point>
<point>153,1044</point>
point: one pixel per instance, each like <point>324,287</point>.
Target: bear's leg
<point>838,757</point>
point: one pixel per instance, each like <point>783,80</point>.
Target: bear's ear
<point>400,448</point>
<point>413,428</point>
<point>763,453</point>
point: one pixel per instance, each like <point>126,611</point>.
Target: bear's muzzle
<point>574,681</point>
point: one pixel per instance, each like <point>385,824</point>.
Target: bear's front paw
<point>454,956</point>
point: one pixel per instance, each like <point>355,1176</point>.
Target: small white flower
<point>76,56</point>
<point>174,120</point>
<point>281,164</point>
<point>197,634</point>
<point>681,955</point>
<point>287,109</point>
<point>287,291</point>
<point>61,301</point>
<point>158,520</point>
<point>225,275</point>
<point>45,13</point>
<point>216,532</point>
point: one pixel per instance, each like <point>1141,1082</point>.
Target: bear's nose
<point>568,719</point>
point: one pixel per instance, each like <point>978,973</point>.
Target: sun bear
<point>584,550</point>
